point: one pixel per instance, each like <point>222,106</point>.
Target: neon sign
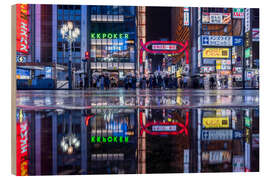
<point>109,36</point>
<point>164,128</point>
<point>109,139</point>
<point>22,28</point>
<point>164,48</point>
<point>22,146</point>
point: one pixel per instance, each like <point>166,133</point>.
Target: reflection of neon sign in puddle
<point>164,128</point>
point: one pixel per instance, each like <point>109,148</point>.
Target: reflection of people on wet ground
<point>211,82</point>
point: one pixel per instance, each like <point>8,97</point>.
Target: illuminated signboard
<point>247,53</point>
<point>216,18</point>
<point>214,135</point>
<point>22,145</point>
<point>216,53</point>
<point>109,139</point>
<point>207,69</point>
<point>216,157</point>
<point>216,122</point>
<point>164,128</point>
<point>22,29</point>
<point>217,40</point>
<point>164,47</point>
<point>109,36</point>
<point>186,18</point>
<point>238,13</point>
<point>159,128</point>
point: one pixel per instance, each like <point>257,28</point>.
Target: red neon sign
<point>22,149</point>
<point>22,29</point>
<point>183,127</point>
<point>167,45</point>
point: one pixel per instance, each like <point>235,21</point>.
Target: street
<point>119,98</point>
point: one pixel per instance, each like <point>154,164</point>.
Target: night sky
<point>158,26</point>
<point>158,21</point>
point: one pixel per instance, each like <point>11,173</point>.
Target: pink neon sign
<point>167,47</point>
<point>183,127</point>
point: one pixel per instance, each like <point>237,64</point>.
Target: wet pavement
<point>137,131</point>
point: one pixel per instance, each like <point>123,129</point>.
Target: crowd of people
<point>158,81</point>
<point>131,82</point>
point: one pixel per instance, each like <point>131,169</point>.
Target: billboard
<point>216,53</point>
<point>214,135</point>
<point>216,122</point>
<point>216,157</point>
<point>216,18</point>
<point>22,29</point>
<point>238,13</point>
<point>217,40</point>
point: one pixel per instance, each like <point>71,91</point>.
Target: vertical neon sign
<point>22,145</point>
<point>22,29</point>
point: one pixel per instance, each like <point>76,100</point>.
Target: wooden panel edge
<point>13,89</point>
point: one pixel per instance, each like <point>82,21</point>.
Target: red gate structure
<point>165,47</point>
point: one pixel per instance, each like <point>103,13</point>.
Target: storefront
<point>112,41</point>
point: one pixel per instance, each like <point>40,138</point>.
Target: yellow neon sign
<point>216,122</point>
<point>216,53</point>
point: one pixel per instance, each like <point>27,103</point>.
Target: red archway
<point>181,47</point>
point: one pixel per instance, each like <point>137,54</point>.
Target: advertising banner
<point>255,34</point>
<point>48,72</point>
<point>216,157</point>
<point>22,29</point>
<point>247,19</point>
<point>216,52</point>
<point>207,69</point>
<point>238,41</point>
<point>217,40</point>
<point>216,122</point>
<point>238,164</point>
<point>186,18</point>
<point>216,18</point>
<point>238,13</point>
<point>22,144</point>
<point>214,135</point>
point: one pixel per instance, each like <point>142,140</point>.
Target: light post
<point>70,141</point>
<point>70,34</point>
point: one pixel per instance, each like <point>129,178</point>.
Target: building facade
<point>108,33</point>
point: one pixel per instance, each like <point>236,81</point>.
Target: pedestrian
<point>150,82</point>
<point>101,82</point>
<point>211,80</point>
<point>134,81</point>
<point>154,82</point>
<point>160,81</point>
<point>233,81</point>
<point>185,82</point>
<point>144,82</point>
<point>126,82</point>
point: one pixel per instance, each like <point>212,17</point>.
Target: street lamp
<point>69,142</point>
<point>70,34</point>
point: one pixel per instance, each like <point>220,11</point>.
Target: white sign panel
<point>255,34</point>
<point>160,128</point>
<point>98,65</point>
<point>186,18</point>
<point>238,164</point>
<point>247,20</point>
<point>217,40</point>
<point>212,135</point>
<point>93,65</point>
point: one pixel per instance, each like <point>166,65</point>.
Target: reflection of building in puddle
<point>163,141</point>
<point>112,140</point>
<point>225,140</point>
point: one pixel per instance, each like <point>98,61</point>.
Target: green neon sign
<point>109,139</point>
<point>109,36</point>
